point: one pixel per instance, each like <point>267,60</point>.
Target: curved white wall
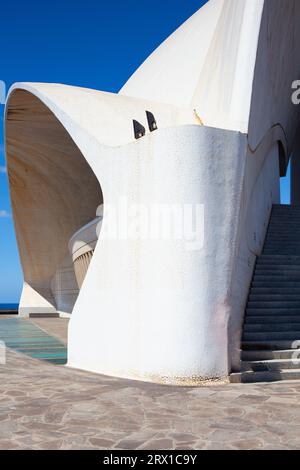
<point>207,64</point>
<point>233,61</point>
<point>277,66</point>
<point>169,318</point>
<point>157,309</point>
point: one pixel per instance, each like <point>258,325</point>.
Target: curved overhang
<point>54,192</point>
<point>59,144</point>
<point>106,117</point>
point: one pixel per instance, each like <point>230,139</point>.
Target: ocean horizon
<point>9,306</point>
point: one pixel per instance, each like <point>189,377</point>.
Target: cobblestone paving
<point>45,406</point>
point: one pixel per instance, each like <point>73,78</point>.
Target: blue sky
<point>91,43</point>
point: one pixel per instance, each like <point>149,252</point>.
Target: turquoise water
<point>27,338</point>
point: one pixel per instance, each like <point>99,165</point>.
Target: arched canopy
<point>53,190</point>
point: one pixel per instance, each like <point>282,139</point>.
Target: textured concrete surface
<point>43,406</point>
<point>57,327</point>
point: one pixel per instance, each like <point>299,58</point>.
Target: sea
<point>6,307</point>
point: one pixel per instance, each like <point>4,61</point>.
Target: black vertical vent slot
<point>139,130</point>
<point>151,121</point>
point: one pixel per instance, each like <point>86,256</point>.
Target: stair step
<point>281,248</point>
<point>271,365</point>
<point>281,240</point>
<point>282,243</point>
<point>265,376</point>
<point>277,267</point>
<point>272,284</point>
<point>272,335</point>
<point>288,291</point>
<point>274,304</point>
<point>284,211</point>
<point>289,224</point>
<point>264,297</point>
<point>281,251</point>
<point>277,216</point>
<point>270,319</point>
<point>262,355</point>
<point>282,259</point>
<point>278,277</point>
<point>44,315</point>
<point>256,312</point>
<point>280,264</point>
<point>273,345</point>
<point>286,207</point>
<point>288,234</point>
<point>271,327</point>
<point>287,229</point>
<point>277,274</point>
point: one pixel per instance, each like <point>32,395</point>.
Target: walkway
<point>27,338</point>
<point>46,406</point>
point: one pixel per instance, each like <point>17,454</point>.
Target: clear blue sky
<point>90,43</point>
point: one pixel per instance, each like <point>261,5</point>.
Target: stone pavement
<point>46,406</point>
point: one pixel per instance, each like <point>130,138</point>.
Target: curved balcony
<point>81,247</point>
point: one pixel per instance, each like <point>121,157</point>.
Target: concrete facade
<point>160,310</point>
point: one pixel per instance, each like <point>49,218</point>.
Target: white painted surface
<point>176,305</point>
<point>106,117</point>
<point>154,309</point>
<point>207,64</point>
<point>35,299</point>
<point>277,66</point>
<point>171,74</point>
<point>165,321</point>
<point>234,62</point>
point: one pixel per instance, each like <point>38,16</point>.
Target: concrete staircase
<point>271,336</point>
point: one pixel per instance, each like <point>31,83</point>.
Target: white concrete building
<point>205,124</point>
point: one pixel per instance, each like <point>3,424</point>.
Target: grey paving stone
<point>45,406</point>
